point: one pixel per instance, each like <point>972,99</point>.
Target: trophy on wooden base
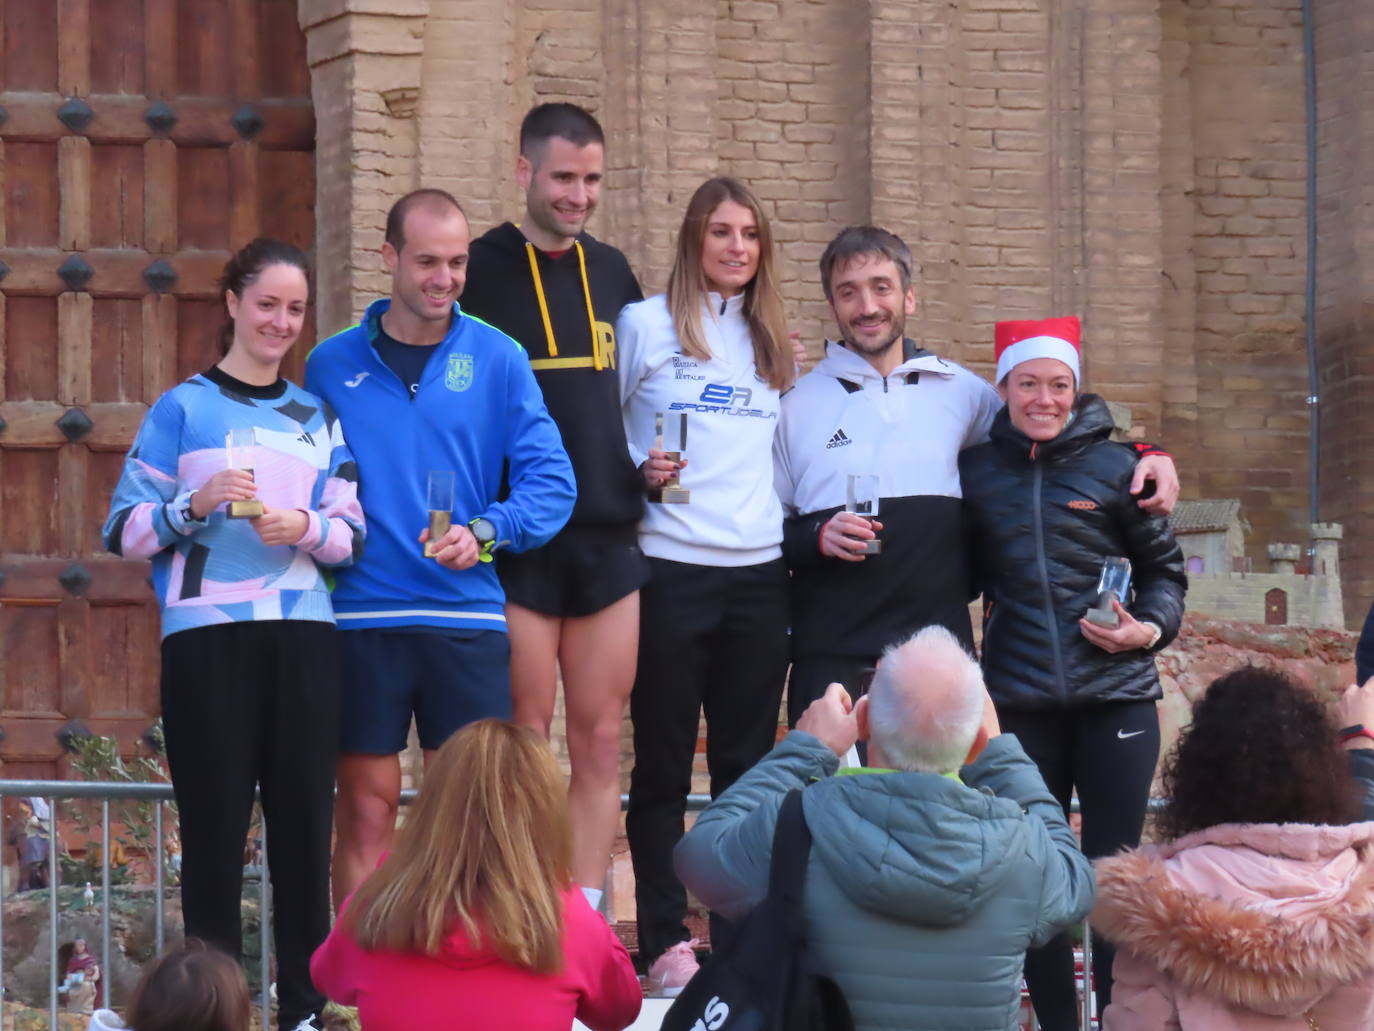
<point>1112,586</point>
<point>440,493</point>
<point>861,498</point>
<point>670,437</point>
<point>240,450</point>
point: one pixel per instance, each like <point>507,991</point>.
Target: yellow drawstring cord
<point>543,304</point>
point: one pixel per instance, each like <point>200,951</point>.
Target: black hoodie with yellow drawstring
<point>562,310</point>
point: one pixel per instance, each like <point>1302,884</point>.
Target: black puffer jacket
<point>1041,519</point>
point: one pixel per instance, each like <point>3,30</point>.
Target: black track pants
<point>712,639</point>
<point>1107,753</point>
<point>246,704</point>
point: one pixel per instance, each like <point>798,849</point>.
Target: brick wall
<point>1345,294</point>
<point>1235,257</point>
<point>1140,162</point>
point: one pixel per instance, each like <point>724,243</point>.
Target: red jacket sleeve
<point>332,967</point>
<point>611,995</point>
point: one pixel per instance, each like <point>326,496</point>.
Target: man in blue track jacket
<point>423,388</point>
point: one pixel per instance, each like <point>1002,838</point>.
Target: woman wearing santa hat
<point>1047,502</point>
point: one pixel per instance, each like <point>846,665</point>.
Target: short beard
<point>899,332</point>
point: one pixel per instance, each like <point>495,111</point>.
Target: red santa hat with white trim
<point>1021,340</point>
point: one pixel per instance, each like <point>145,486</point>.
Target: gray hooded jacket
<point>922,892</point>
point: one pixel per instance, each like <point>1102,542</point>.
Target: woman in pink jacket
<point>1257,910</point>
<point>473,920</point>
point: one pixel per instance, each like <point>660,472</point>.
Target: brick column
<point>1345,280</point>
<point>1118,287</point>
<point>919,151</point>
<point>365,62</point>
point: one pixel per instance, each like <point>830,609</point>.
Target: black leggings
<point>1108,753</point>
<point>243,705</point>
<point>712,639</point>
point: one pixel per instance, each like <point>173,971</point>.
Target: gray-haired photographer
<point>931,870</point>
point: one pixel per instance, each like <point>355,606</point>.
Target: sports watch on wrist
<point>484,530</point>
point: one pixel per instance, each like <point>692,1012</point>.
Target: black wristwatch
<point>484,530</point>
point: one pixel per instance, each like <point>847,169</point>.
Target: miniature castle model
<point>1212,536</point>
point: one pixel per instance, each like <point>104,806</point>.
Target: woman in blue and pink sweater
<point>249,669</point>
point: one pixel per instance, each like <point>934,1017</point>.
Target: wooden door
<point>140,142</point>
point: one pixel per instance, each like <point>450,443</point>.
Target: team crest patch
<point>458,375</point>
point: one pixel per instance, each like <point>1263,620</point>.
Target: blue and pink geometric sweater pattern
<point>217,570</point>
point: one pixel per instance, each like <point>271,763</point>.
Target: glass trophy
<point>670,437</point>
<point>240,451</point>
<point>1112,586</point>
<point>440,494</point>
<point>861,498</point>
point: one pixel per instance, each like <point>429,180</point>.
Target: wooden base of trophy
<point>670,494</point>
<point>250,509</point>
<point>439,523</point>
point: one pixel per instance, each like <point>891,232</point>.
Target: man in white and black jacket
<point>879,404</point>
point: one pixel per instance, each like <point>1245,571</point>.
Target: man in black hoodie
<point>573,604</point>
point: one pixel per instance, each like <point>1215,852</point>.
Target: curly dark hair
<point>1260,749</point>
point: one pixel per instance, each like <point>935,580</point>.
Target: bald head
<point>926,703</point>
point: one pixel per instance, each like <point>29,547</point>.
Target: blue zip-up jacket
<point>479,413</point>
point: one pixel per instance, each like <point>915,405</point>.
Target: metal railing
<point>160,794</point>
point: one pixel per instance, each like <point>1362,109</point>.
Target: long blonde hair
<point>687,286</point>
<point>486,846</point>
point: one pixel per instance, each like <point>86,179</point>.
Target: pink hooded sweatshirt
<point>1242,927</point>
<point>467,986</point>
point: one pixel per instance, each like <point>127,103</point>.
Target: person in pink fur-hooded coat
<point>1257,909</point>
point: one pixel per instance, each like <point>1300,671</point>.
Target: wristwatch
<point>1155,633</point>
<point>485,531</point>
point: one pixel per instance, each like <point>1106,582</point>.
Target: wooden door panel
<point>30,45</point>
<point>142,142</point>
<point>31,194</point>
<point>127,634</point>
<point>198,325</point>
<point>29,634</point>
<point>28,502</point>
<point>31,352</point>
<point>117,350</point>
<point>202,188</point>
<point>283,70</point>
<point>117,195</point>
<point>204,45</point>
<point>117,63</point>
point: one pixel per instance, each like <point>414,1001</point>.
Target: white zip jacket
<point>907,428</point>
<point>868,423</point>
<point>734,518</point>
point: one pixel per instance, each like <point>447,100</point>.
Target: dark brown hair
<point>566,121</point>
<point>1260,749</point>
<point>191,988</point>
<point>428,197</point>
<point>868,241</point>
<point>242,271</point>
